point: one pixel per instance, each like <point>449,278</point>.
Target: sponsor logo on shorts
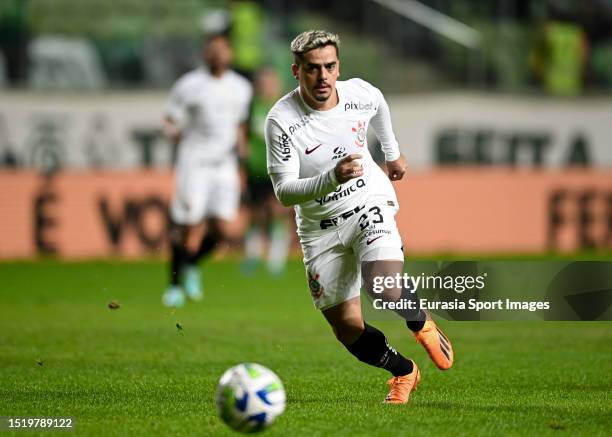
<point>374,234</point>
<point>359,106</point>
<point>340,192</point>
<point>372,240</point>
<point>339,152</point>
<point>309,150</point>
<point>360,131</point>
<point>283,145</point>
<point>303,121</point>
<point>316,289</point>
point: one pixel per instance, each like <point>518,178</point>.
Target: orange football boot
<point>437,345</point>
<point>402,386</point>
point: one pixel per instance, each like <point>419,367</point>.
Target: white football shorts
<point>333,260</point>
<point>205,191</point>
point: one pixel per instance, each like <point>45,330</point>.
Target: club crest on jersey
<point>316,289</point>
<point>339,152</point>
<point>360,130</point>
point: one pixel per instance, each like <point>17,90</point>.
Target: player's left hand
<point>397,168</point>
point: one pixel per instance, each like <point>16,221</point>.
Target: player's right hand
<point>349,168</point>
<point>172,131</point>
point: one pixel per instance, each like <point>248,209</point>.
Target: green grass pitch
<point>132,371</point>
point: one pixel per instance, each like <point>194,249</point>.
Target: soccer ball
<point>250,397</point>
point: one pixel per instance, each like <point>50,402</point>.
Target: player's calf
<point>372,348</point>
<point>380,282</point>
<point>427,333</point>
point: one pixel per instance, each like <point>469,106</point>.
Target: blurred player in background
<point>345,206</point>
<point>206,116</point>
<point>268,217</point>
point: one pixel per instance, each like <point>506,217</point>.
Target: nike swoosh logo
<point>373,240</point>
<point>309,151</point>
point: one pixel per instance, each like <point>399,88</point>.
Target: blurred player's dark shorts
<point>259,189</point>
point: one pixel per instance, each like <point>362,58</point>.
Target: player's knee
<point>222,230</point>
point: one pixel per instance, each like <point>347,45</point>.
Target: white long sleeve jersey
<point>304,146</point>
<point>209,110</point>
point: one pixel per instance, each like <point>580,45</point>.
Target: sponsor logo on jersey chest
<point>303,121</point>
<point>309,150</point>
<point>358,106</point>
<point>339,152</point>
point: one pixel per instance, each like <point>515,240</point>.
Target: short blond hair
<point>313,39</point>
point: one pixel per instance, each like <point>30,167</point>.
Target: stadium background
<point>503,110</point>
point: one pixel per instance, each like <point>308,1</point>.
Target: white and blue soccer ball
<point>250,397</point>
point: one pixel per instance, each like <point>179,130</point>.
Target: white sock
<point>279,247</point>
<point>254,244</point>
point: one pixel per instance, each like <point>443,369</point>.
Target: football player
<point>345,204</point>
<point>206,116</point>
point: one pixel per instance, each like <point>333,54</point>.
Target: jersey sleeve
<point>284,170</point>
<point>381,123</point>
<point>246,107</point>
<point>280,152</point>
<point>290,190</point>
<point>177,102</point>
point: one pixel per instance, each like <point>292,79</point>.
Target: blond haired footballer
<point>318,160</point>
